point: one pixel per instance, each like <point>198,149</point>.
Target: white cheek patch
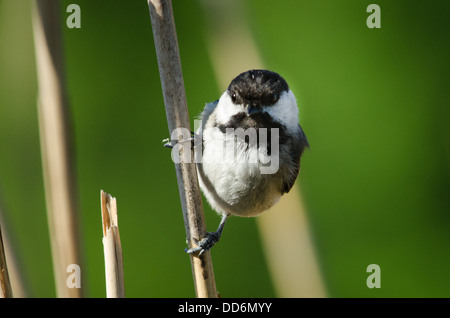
<point>226,109</point>
<point>285,110</point>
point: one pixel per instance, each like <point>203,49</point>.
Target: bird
<point>249,148</point>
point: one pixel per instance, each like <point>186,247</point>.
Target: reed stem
<point>167,52</point>
<point>112,247</point>
<point>54,122</point>
<point>5,284</point>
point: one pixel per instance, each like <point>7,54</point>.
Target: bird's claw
<point>204,244</point>
<point>167,143</point>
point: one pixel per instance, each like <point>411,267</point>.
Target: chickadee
<point>231,176</point>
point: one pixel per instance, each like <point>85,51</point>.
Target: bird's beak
<point>253,110</point>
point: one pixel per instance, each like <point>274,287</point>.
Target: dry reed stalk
<point>167,52</point>
<point>5,284</point>
<point>15,268</point>
<point>55,140</point>
<point>112,247</point>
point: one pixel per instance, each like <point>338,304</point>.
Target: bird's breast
<point>231,178</point>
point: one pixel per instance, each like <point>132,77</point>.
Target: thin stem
<point>167,52</point>
<point>5,284</point>
<point>11,253</point>
<point>56,144</point>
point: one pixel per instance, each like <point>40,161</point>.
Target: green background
<point>374,104</point>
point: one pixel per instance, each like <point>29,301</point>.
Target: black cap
<point>257,88</point>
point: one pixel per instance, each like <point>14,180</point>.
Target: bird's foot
<point>168,143</point>
<point>205,243</point>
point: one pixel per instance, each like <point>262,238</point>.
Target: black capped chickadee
<point>250,148</point>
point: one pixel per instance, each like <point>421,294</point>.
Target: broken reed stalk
<point>55,140</point>
<point>167,52</point>
<point>5,284</point>
<point>112,247</point>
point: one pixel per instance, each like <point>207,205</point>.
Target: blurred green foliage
<point>374,104</point>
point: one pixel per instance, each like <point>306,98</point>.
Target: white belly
<point>230,177</point>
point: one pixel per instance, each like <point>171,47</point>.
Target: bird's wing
<point>299,144</point>
<point>207,111</point>
<point>204,116</point>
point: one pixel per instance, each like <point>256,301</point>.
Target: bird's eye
<point>274,98</point>
<point>233,97</point>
